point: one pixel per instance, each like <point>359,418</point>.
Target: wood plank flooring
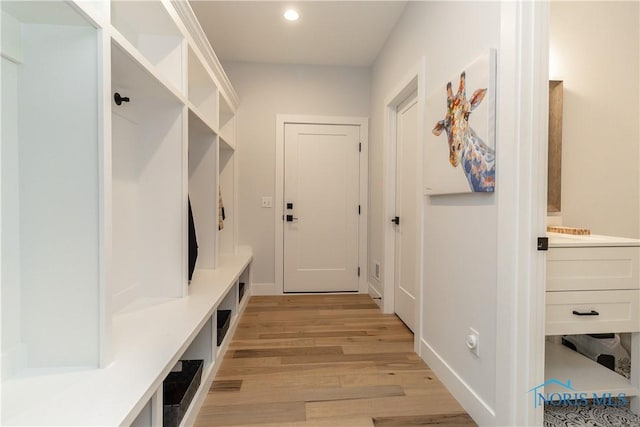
<point>325,360</point>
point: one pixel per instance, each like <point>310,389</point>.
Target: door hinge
<point>359,147</point>
<point>358,271</point>
<point>358,209</point>
<point>543,243</point>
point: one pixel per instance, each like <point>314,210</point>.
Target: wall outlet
<point>376,270</point>
<point>267,202</point>
<point>473,342</point>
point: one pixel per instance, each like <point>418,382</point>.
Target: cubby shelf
<point>226,144</point>
<point>148,28</point>
<point>227,123</point>
<point>203,93</point>
<point>205,121</point>
<point>586,375</point>
<point>137,63</point>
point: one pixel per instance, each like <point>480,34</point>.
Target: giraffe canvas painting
<point>460,143</point>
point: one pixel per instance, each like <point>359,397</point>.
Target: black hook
<point>120,99</point>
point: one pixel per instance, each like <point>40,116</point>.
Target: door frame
<point>521,132</point>
<point>413,82</point>
<point>363,123</point>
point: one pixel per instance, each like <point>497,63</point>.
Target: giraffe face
<point>457,127</point>
<point>456,121</point>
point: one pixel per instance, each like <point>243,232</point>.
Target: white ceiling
<point>328,32</point>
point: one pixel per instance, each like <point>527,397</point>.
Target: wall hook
<point>120,99</point>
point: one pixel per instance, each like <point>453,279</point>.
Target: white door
<point>321,196</point>
<point>407,229</point>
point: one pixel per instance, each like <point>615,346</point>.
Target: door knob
<point>396,220</point>
<point>291,218</point>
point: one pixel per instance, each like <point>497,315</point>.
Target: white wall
<point>460,232</point>
<point>266,90</point>
<point>11,333</point>
<point>10,201</point>
<point>595,50</point>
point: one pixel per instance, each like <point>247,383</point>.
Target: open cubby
<point>227,123</point>
<point>148,26</point>
<point>226,312</point>
<point>201,347</point>
<point>226,236</point>
<point>223,320</point>
<point>52,249</point>
<point>203,191</point>
<point>229,300</point>
<point>243,284</point>
<point>203,93</point>
<point>149,206</point>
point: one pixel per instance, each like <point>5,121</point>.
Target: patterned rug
<point>591,416</point>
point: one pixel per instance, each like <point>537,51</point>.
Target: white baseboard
<point>376,295</point>
<point>270,289</point>
<point>263,289</point>
<point>478,409</point>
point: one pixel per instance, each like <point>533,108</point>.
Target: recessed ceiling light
<point>291,15</point>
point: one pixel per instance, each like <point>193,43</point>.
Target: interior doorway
<point>405,220</point>
<point>321,197</point>
<point>403,200</point>
<point>321,204</point>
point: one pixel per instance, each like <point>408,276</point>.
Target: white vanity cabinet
<point>592,286</point>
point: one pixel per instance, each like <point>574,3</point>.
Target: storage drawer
<point>617,311</point>
<point>178,391</point>
<point>592,268</point>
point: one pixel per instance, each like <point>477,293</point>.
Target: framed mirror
<point>554,172</point>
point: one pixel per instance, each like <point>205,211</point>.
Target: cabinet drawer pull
<point>591,313</point>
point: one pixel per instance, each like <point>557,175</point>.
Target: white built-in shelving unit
<point>97,307</point>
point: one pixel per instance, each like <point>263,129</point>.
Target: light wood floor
<point>328,360</point>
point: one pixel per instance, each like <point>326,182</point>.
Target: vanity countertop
<point>558,240</point>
